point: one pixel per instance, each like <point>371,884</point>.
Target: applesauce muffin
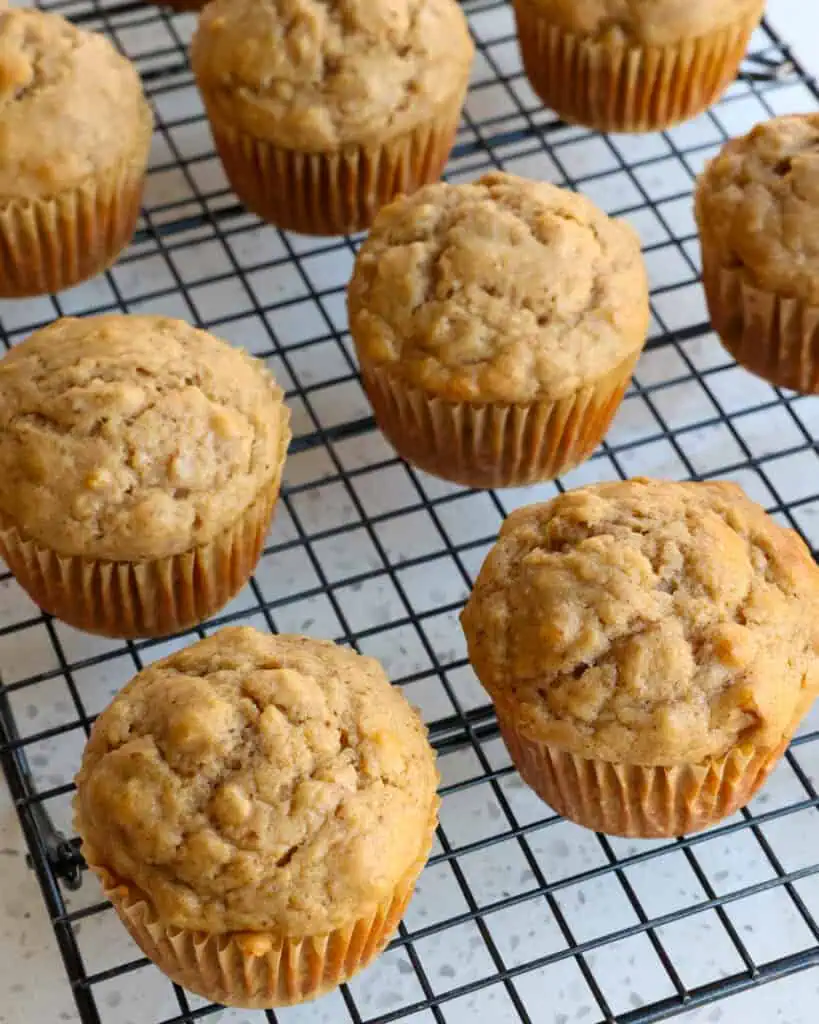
<point>324,110</point>
<point>258,809</point>
<point>497,325</point>
<point>650,648</point>
<point>140,461</point>
<point>75,130</point>
<point>757,206</point>
<point>633,65</point>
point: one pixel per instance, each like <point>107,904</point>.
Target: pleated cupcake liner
<point>773,336</point>
<point>333,193</point>
<point>494,444</point>
<point>141,598</point>
<point>621,88</point>
<point>50,244</point>
<point>261,970</point>
<point>638,801</point>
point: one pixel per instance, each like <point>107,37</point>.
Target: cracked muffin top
<point>318,74</point>
<point>257,782</point>
<point>70,105</point>
<point>645,22</point>
<point>757,206</point>
<point>133,437</point>
<point>502,290</point>
<point>648,622</point>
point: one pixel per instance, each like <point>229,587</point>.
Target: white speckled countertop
<point>33,989</point>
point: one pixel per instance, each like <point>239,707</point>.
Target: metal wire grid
<point>520,916</point>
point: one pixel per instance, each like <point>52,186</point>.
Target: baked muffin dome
<point>322,111</point>
<point>648,622</point>
<point>141,461</point>
<point>497,325</point>
<point>133,437</point>
<point>75,131</point>
<point>315,75</point>
<point>650,648</point>
<point>255,782</point>
<point>503,289</point>
<point>756,206</point>
<point>258,809</point>
<point>71,106</point>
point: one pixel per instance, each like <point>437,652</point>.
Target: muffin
<point>650,648</point>
<point>140,461</point>
<point>756,209</point>
<point>633,65</point>
<point>258,809</point>
<point>75,130</point>
<point>324,110</point>
<point>497,325</point>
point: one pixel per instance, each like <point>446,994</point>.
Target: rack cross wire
<point>520,916</point>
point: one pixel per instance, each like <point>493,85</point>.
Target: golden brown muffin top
<point>318,74</point>
<point>648,622</point>
<point>71,107</point>
<point>256,782</point>
<point>133,437</point>
<point>757,206</point>
<point>502,290</point>
<point>641,22</point>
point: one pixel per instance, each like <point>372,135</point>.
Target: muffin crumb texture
<point>643,22</point>
<point>315,75</point>
<point>133,437</point>
<point>70,105</point>
<point>258,783</point>
<point>502,290</point>
<point>758,206</point>
<point>648,623</point>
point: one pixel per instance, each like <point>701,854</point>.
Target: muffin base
<point>495,445</point>
<point>638,801</point>
<point>773,336</point>
<point>141,599</point>
<point>50,244</point>
<point>260,970</point>
<point>333,193</point>
<point>620,88</point>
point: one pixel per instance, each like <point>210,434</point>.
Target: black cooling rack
<point>520,916</point>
